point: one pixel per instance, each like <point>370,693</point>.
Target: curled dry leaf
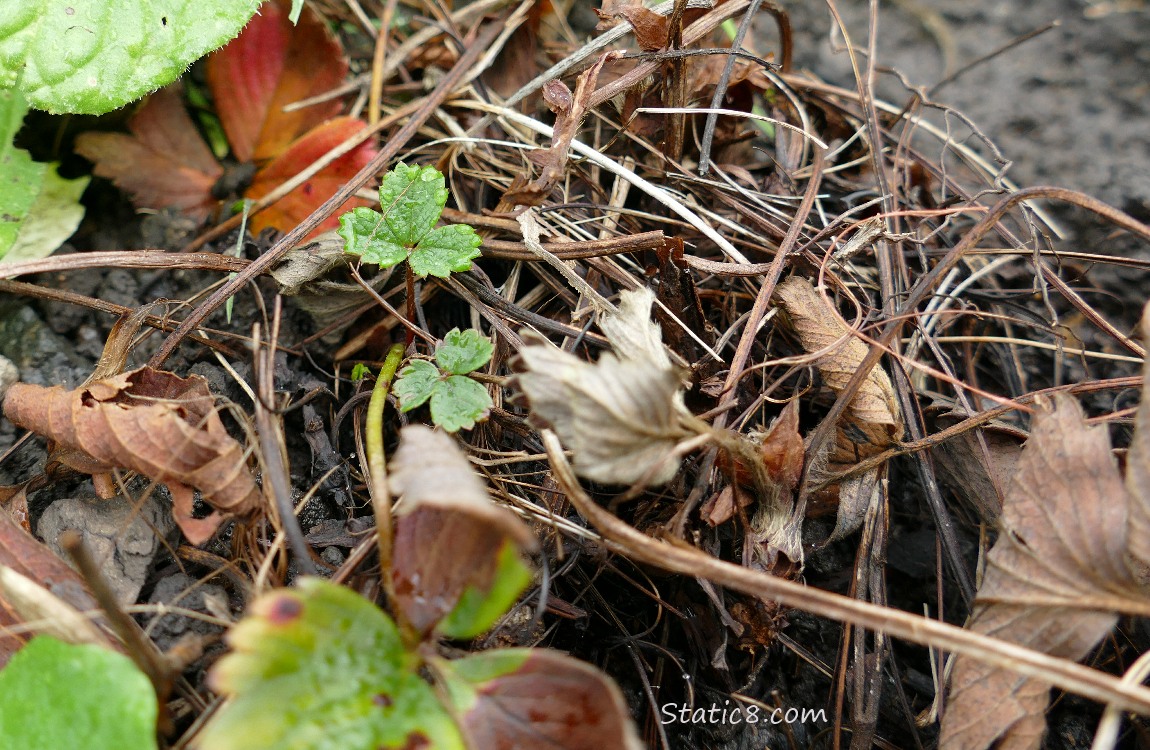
<point>621,418</point>
<point>632,333</point>
<point>156,423</point>
<point>872,421</point>
<point>449,535</point>
<point>1064,536</point>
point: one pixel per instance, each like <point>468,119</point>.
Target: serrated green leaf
<point>318,667</point>
<point>415,384</point>
<point>58,695</point>
<point>444,250</point>
<point>478,610</point>
<point>365,234</point>
<point>462,352</point>
<point>93,56</point>
<point>52,218</point>
<point>412,198</point>
<point>457,402</point>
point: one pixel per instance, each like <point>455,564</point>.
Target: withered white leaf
<point>819,326</point>
<point>632,333</point>
<point>620,418</point>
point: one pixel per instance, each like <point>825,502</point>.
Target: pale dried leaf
<point>632,333</point>
<point>308,262</point>
<point>1138,476</point>
<point>856,494</point>
<point>50,614</point>
<point>621,419</point>
<point>1064,535</point>
<point>874,408</point>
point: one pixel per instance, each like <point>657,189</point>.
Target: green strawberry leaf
<point>415,384</point>
<point>479,609</point>
<point>444,250</point>
<point>318,667</point>
<point>365,234</point>
<point>412,199</point>
<point>536,697</point>
<point>462,352</point>
<point>58,695</point>
<point>458,402</point>
<point>93,56</point>
<point>38,208</point>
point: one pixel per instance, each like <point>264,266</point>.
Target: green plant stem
<point>377,464</point>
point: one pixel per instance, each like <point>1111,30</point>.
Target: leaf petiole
<point>377,462</point>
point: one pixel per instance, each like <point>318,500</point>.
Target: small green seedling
<point>318,667</point>
<point>360,371</point>
<point>57,695</point>
<point>457,401</point>
<point>412,199</point>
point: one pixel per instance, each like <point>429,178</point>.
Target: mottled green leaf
<point>462,352</point>
<point>57,695</point>
<point>415,384</point>
<point>412,199</point>
<point>365,234</point>
<point>93,56</point>
<point>444,250</point>
<point>458,402</point>
<point>478,609</point>
<point>318,667</point>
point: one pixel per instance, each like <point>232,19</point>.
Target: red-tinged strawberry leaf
<point>269,65</point>
<point>298,204</point>
<point>164,163</point>
<point>511,698</point>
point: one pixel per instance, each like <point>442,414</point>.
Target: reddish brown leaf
<point>649,28</point>
<point>269,65</point>
<point>1064,535</point>
<point>536,698</point>
<point>298,204</point>
<point>164,163</point>
<point>449,533</point>
<point>156,423</point>
<point>32,559</point>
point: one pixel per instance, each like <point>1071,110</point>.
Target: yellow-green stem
<point>377,463</point>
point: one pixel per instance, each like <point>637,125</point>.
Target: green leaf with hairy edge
<point>318,667</point>
<point>478,610</point>
<point>412,199</point>
<point>415,384</point>
<point>93,56</point>
<point>458,402</point>
<point>446,249</point>
<point>38,208</point>
<point>365,234</point>
<point>462,352</point>
<point>59,695</point>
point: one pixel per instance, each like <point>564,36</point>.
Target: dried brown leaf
<point>448,532</point>
<point>149,421</point>
<point>1064,535</point>
<point>977,465</point>
<point>621,418</point>
<point>873,418</point>
<point>1138,476</point>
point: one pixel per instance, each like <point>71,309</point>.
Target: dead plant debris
<point>792,388</point>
